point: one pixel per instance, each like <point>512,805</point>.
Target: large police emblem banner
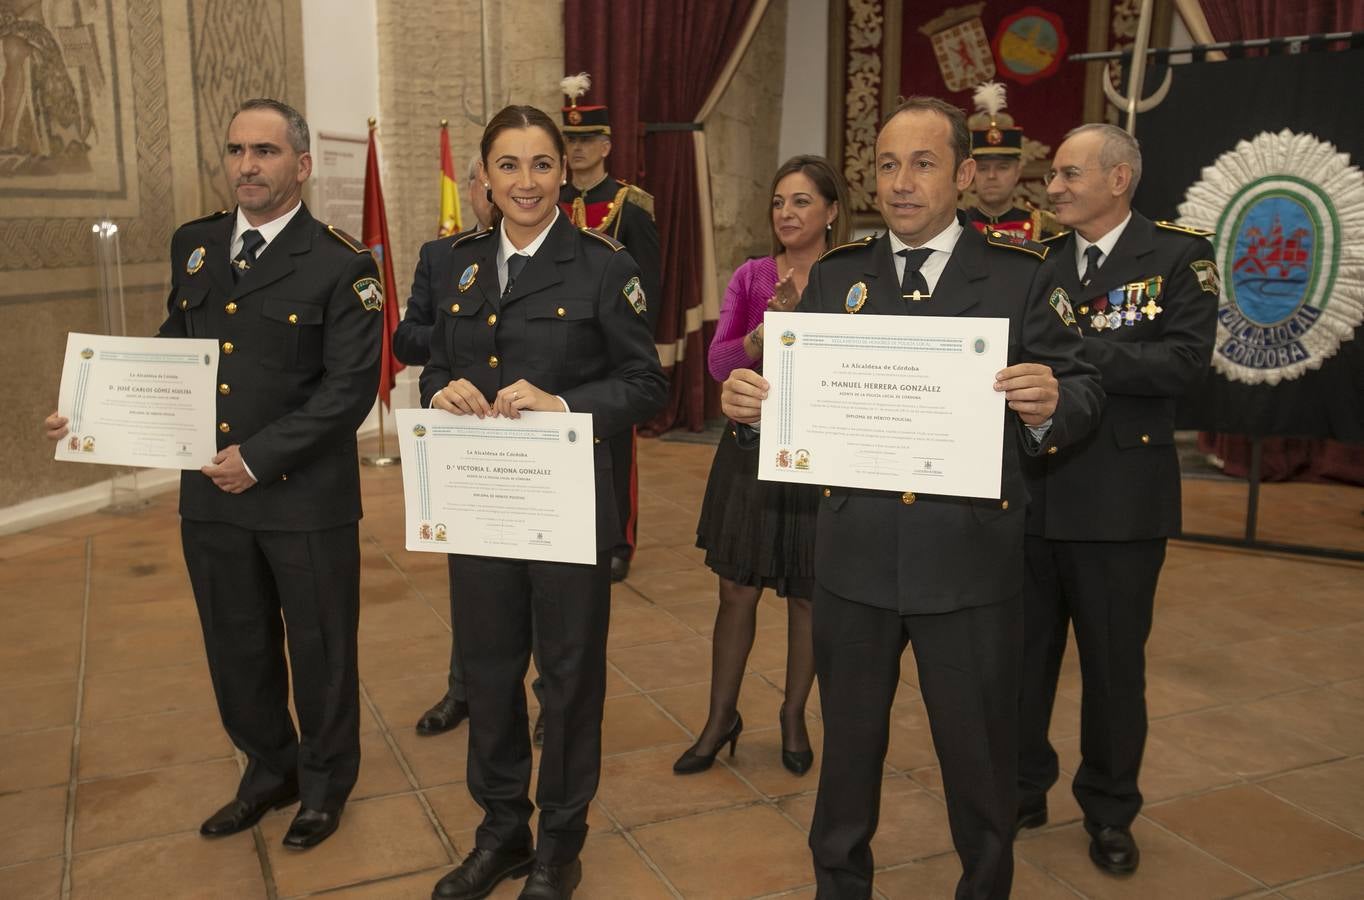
<point>1267,153</point>
<point>1288,212</point>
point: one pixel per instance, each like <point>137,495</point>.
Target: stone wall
<point>121,116</point>
<point>431,68</point>
<point>741,139</point>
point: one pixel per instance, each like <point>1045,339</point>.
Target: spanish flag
<point>449,193</point>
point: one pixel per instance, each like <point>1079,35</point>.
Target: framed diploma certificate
<point>892,403</point>
<point>139,401</point>
<point>517,488</point>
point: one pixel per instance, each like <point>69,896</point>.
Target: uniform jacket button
<point>827,492</point>
<point>1051,451</point>
<point>231,309</point>
<point>1146,439</point>
<point>560,311</point>
<point>228,348</point>
<point>454,307</point>
<point>907,498</point>
<point>492,362</point>
<point>224,389</point>
<point>224,427</point>
<point>184,304</point>
<point>492,318</point>
<point>293,318</point>
<point>1004,504</point>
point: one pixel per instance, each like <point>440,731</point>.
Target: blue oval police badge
<point>1286,209</point>
<point>857,295</point>
<point>195,261</point>
<point>466,280</point>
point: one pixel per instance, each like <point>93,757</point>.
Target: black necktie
<point>913,286</point>
<point>515,263</point>
<point>251,244</point>
<point>1092,254</point>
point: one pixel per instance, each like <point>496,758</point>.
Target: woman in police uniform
<point>537,315</point>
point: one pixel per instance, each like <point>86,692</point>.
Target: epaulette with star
<point>997,238</point>
<point>346,239</point>
<point>862,242</point>
<point>1183,229</point>
<point>472,236</point>
<point>210,217</point>
<point>608,241</point>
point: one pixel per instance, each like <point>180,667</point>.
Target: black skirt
<point>757,533</point>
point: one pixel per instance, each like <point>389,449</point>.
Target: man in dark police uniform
<point>1145,295</point>
<point>593,199</point>
<point>941,572</point>
<point>269,528</point>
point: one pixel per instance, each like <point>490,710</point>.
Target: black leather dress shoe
<point>1112,848</point>
<point>1031,817</point>
<point>548,882</point>
<point>240,815</point>
<point>481,871</point>
<point>310,828</point>
<point>620,568</point>
<point>444,716</point>
<point>537,734</point>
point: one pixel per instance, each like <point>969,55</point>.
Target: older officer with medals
<point>536,314</point>
<point>997,148</point>
<point>270,529</point>
<point>593,199</point>
<point>940,572</point>
<point>1103,509</point>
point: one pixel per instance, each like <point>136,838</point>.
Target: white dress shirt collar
<point>270,230</point>
<point>506,249</point>
<point>942,244</point>
<point>1105,245</point>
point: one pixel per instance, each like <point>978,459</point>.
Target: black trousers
<point>494,603</point>
<point>1106,590</point>
<point>255,590</point>
<point>968,673</point>
<point>455,687</point>
<point>625,484</point>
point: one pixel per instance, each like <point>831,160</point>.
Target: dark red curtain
<point>1234,20</point>
<point>1285,459</point>
<point>657,61</point>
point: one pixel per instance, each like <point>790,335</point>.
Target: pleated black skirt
<point>757,533</point>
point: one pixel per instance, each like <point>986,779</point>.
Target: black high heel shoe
<point>691,762</point>
<point>797,762</point>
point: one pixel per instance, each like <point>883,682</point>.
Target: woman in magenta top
<point>760,534</point>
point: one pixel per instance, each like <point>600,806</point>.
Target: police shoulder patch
<point>610,242</point>
<point>472,236</point>
<point>370,292</point>
<point>346,239</point>
<point>863,242</point>
<point>635,294</point>
<point>1060,302</point>
<point>1183,229</point>
<point>997,238</point>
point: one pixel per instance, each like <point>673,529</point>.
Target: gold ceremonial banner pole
<point>383,459</point>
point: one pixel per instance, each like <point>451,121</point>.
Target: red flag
<point>375,236</point>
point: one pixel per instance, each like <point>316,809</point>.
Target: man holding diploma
<point>943,572</point>
<point>269,528</point>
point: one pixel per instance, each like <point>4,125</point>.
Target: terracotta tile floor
<point>111,753</point>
